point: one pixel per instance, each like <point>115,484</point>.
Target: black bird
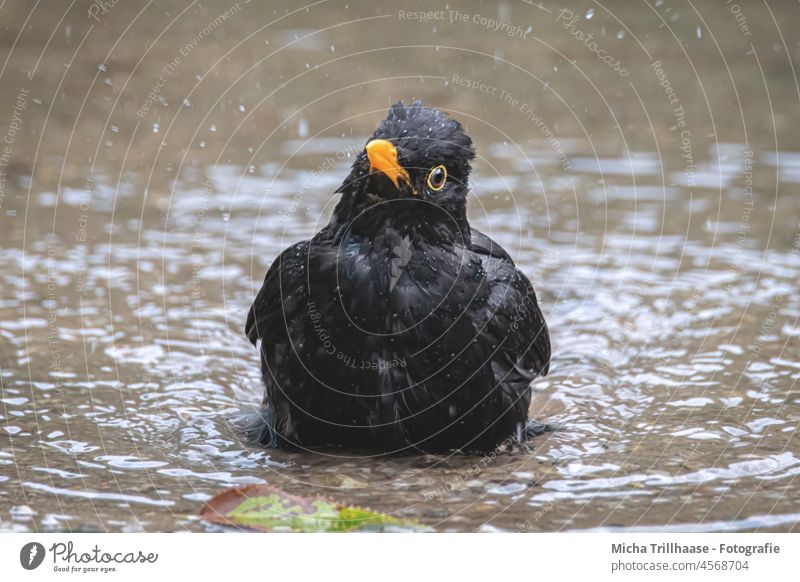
<point>398,327</point>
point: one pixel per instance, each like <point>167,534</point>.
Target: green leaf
<point>266,508</point>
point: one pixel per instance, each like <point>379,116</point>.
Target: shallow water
<point>138,216</point>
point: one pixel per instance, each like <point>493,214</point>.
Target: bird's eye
<point>436,178</point>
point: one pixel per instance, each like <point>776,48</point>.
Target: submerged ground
<point>641,165</point>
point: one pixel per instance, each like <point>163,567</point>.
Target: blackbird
<point>398,327</point>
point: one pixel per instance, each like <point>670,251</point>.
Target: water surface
<point>159,155</point>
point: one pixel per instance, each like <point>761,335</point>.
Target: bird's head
<point>417,154</point>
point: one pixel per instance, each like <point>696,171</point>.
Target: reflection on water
<point>660,228</point>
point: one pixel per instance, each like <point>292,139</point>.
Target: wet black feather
<point>398,327</point>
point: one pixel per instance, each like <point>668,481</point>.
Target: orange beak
<point>383,156</point>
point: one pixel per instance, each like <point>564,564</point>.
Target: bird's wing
<point>282,293</point>
<point>483,245</point>
<point>514,317</point>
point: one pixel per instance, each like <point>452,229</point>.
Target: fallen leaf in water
<point>266,508</point>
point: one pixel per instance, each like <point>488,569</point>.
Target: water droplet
<point>589,13</point>
<point>156,127</point>
<point>621,34</point>
<point>302,128</point>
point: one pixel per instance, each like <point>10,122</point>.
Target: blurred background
<point>639,160</point>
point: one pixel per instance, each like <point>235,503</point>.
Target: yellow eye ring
<point>437,178</point>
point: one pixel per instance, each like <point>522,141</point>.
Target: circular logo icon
<point>31,555</point>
